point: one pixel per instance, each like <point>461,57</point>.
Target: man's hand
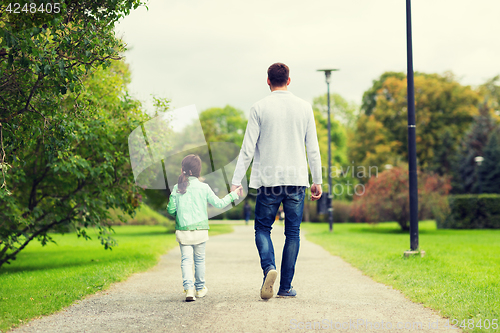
<point>237,188</point>
<point>316,192</point>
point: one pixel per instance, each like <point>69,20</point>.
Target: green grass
<point>459,275</point>
<point>43,280</point>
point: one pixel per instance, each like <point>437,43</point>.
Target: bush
<point>470,211</point>
<point>342,211</point>
<point>144,216</point>
<point>386,197</point>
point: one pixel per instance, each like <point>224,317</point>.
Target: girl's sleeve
<point>172,204</point>
<point>217,202</point>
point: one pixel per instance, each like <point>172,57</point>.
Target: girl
<point>188,203</point>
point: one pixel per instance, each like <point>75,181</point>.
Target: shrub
<point>342,211</point>
<point>386,197</point>
<point>144,216</point>
<point>470,211</point>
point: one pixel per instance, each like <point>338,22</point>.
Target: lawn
<point>43,280</point>
<point>459,275</point>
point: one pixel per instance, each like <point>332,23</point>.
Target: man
<point>279,126</point>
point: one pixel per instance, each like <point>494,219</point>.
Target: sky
<point>216,53</point>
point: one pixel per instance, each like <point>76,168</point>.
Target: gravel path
<point>332,296</point>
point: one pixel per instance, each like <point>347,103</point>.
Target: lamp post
<point>412,145</point>
<point>328,73</point>
<point>479,160</point>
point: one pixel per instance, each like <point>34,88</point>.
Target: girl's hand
<point>238,190</point>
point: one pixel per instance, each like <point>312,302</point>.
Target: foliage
<point>472,145</point>
<point>145,215</point>
<point>442,104</point>
<point>372,146</point>
<point>342,116</point>
<point>371,95</point>
<point>45,55</point>
<point>337,132</point>
<point>457,277</point>
<point>341,110</point>
<point>223,125</point>
<point>491,92</point>
<point>386,197</point>
<point>471,211</point>
<point>443,162</point>
<point>489,170</point>
<point>342,211</point>
<point>75,171</point>
<point>60,161</point>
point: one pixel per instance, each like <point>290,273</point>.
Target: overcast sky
<point>214,53</point>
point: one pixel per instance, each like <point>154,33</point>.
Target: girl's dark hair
<point>191,167</point>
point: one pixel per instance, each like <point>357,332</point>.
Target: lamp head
<point>328,73</point>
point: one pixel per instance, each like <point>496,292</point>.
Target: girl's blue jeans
<point>266,206</point>
<point>190,253</point>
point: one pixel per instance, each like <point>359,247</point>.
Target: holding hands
<point>238,189</point>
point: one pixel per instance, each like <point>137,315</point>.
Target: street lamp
<point>328,73</point>
<point>479,160</point>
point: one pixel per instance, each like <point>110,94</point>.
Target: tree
<point>472,145</point>
<point>45,55</point>
<point>371,147</point>
<point>73,188</point>
<point>64,123</point>
<point>371,95</point>
<point>342,115</point>
<point>442,104</point>
<point>491,92</point>
<point>443,162</point>
<point>223,125</point>
<point>489,171</point>
<point>341,110</point>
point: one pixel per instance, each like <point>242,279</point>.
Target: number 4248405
<point>471,323</point>
<point>33,8</point>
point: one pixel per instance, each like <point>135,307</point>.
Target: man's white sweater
<point>280,129</point>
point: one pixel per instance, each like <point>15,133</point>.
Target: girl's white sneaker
<point>201,292</point>
<point>190,295</point>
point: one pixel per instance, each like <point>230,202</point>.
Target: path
<point>330,291</point>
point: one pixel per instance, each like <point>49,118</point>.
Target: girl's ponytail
<point>191,166</point>
<point>182,183</point>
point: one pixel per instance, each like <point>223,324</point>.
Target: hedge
<point>471,211</point>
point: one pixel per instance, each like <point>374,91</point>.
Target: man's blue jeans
<point>266,206</point>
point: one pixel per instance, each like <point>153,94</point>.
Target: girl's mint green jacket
<point>190,208</point>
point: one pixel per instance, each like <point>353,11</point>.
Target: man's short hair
<point>278,74</point>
